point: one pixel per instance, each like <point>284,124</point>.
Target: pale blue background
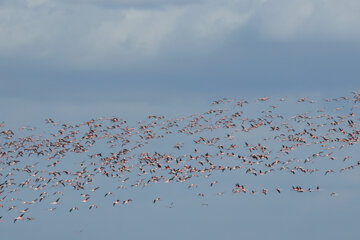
<point>75,60</point>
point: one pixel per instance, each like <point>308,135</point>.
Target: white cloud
<point>35,3</point>
<point>85,34</point>
<point>310,20</point>
<point>284,20</point>
<point>112,33</point>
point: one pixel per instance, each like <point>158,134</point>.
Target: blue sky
<point>75,60</point>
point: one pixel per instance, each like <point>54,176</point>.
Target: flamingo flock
<point>260,137</point>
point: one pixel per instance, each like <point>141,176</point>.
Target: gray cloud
<point>322,20</point>
<point>100,34</point>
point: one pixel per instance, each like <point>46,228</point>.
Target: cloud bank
<point>94,33</point>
